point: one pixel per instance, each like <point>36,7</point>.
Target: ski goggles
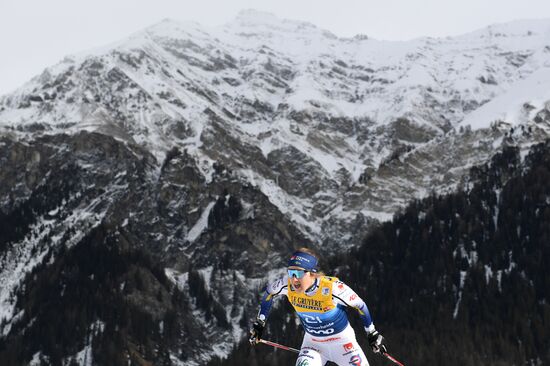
<point>298,273</point>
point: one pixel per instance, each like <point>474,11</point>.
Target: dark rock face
<point>94,218</point>
<point>295,172</point>
<point>406,131</point>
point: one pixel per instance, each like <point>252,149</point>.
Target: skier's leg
<point>310,353</point>
<point>309,357</point>
<point>346,351</point>
<point>354,356</point>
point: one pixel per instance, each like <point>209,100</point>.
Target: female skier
<point>319,301</point>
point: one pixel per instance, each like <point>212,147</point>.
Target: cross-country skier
<point>319,301</point>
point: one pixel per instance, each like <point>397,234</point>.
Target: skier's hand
<point>256,331</point>
<point>377,342</point>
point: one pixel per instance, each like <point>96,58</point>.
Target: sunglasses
<point>298,273</point>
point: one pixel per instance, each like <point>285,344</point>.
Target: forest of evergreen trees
<point>46,197</point>
<point>122,292</point>
<point>460,279</point>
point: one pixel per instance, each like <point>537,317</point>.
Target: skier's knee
<point>309,357</point>
<point>304,361</point>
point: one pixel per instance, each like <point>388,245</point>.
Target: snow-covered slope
<point>333,130</point>
<point>516,106</point>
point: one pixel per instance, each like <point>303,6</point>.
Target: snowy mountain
<point>262,94</point>
<point>216,150</point>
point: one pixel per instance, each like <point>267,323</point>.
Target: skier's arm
<point>274,289</point>
<point>344,295</point>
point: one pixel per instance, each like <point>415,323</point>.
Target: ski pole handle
<point>277,345</point>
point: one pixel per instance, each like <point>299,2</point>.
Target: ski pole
<point>392,359</point>
<point>277,345</point>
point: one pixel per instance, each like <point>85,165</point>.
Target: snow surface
<point>201,224</point>
<point>223,348</point>
<point>408,67</point>
<point>463,275</point>
<point>510,107</point>
<point>35,361</point>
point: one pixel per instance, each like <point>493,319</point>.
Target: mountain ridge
<point>341,110</point>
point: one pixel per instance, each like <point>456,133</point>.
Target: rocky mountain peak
<point>264,23</point>
<point>523,28</point>
<point>350,118</point>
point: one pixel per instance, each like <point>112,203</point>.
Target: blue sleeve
<point>364,314</point>
<point>271,291</point>
<point>347,297</point>
<point>265,305</point>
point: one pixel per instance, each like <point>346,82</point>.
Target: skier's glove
<point>256,331</point>
<point>377,342</point>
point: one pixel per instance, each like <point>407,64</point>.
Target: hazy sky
<point>38,33</point>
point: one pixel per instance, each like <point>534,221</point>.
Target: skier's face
<point>300,279</point>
